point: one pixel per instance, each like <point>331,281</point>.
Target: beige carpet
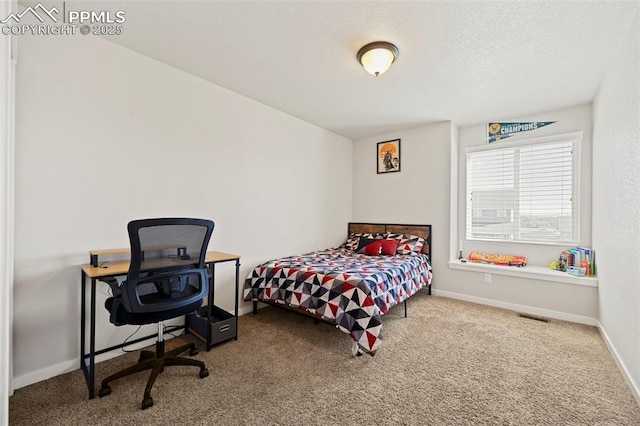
<point>448,363</point>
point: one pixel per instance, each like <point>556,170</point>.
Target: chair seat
<point>122,316</point>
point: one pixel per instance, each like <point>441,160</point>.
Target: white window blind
<point>524,191</point>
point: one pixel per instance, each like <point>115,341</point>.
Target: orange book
<point>570,258</point>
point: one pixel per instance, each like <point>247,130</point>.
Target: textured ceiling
<point>465,61</point>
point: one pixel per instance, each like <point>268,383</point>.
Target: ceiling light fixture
<point>377,57</point>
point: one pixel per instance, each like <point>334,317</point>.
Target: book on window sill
<point>583,262</point>
<point>497,259</point>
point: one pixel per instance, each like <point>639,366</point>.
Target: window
<point>524,191</point>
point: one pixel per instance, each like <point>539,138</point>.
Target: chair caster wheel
<point>147,402</point>
<point>104,391</point>
<point>194,352</point>
<point>204,373</point>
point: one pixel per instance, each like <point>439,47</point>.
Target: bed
<point>351,286</point>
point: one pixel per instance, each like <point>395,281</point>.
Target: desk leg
<point>237,291</point>
<point>83,295</point>
<point>83,330</point>
<point>88,370</point>
<point>212,298</point>
<point>92,341</point>
<point>212,283</point>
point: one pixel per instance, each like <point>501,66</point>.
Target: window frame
<point>574,137</point>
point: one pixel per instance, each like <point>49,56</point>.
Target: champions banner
<point>498,131</point>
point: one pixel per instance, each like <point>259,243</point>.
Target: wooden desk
<point>112,269</point>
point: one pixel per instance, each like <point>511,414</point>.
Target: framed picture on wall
<point>388,156</point>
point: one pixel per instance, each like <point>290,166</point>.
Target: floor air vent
<point>532,317</point>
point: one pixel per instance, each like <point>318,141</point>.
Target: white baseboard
<point>245,310</point>
<point>635,389</point>
<point>72,365</point>
<point>45,373</point>
<point>580,319</point>
<point>69,366</point>
<point>563,316</point>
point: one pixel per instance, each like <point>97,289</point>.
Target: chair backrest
<point>167,269</point>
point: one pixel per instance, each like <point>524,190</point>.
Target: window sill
<point>530,272</point>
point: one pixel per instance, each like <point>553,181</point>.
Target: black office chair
<point>167,279</point>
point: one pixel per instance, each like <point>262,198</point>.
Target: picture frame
<point>388,156</point>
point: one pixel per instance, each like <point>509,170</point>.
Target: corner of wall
<point>7,144</point>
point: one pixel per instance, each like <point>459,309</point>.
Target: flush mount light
<point>377,57</point>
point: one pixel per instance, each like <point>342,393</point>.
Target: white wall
<point>553,299</point>
<point>616,202</point>
<point>422,193</point>
<point>548,298</point>
<point>105,135</point>
<point>571,119</point>
<point>418,194</point>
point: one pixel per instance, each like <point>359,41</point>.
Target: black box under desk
<point>221,326</point>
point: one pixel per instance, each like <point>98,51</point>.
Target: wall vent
<point>533,317</point>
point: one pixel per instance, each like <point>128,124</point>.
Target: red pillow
<point>389,247</point>
<point>374,248</point>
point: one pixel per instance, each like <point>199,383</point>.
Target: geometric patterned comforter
<point>348,289</point>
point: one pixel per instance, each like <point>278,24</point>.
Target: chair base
<point>156,361</point>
